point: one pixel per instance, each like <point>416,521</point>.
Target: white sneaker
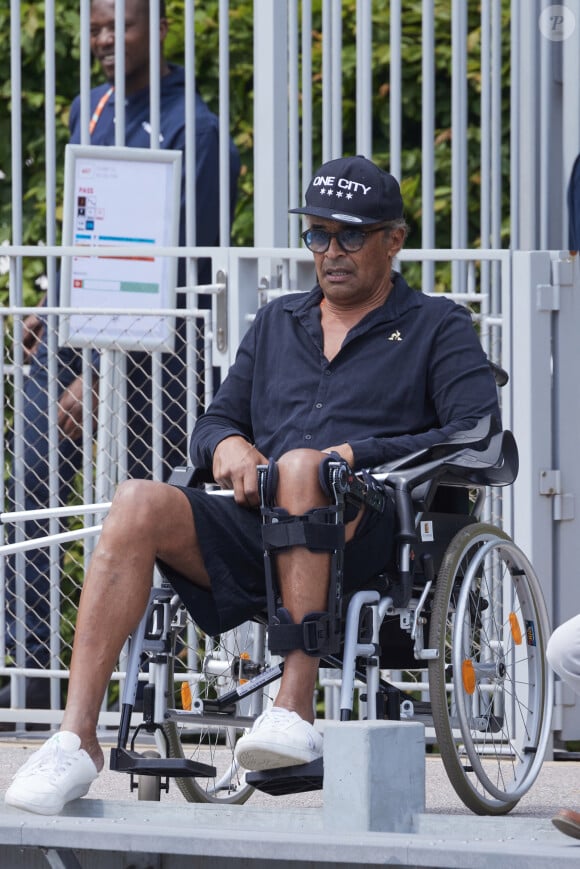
<point>54,775</point>
<point>278,738</point>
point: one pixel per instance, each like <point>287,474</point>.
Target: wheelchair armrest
<point>478,438</point>
<point>498,465</point>
<point>494,465</point>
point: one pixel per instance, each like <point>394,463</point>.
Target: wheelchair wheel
<point>491,693</point>
<point>213,672</point>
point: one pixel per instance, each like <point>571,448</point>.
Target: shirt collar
<point>400,300</point>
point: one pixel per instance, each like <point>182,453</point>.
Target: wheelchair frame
<point>472,611</point>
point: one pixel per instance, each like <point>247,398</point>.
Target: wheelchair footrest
<point>123,760</point>
<point>288,779</point>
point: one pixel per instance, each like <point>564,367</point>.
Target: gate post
<point>271,123</point>
<point>566,501</point>
<point>546,414</point>
<point>531,376</point>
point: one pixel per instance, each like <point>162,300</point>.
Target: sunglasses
<point>350,240</point>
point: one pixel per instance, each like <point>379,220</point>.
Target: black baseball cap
<point>353,190</point>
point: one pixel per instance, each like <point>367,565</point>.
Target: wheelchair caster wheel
<point>149,786</point>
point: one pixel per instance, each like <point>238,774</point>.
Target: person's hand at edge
<point>70,409</point>
<point>32,331</point>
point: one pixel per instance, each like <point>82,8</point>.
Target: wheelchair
<point>461,604</point>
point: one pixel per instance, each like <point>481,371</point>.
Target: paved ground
<point>525,838</point>
<point>558,785</point>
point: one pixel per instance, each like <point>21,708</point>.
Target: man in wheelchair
<point>362,369</point>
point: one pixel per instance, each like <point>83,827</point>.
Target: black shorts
<point>230,539</point>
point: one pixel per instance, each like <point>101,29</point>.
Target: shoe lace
<point>277,713</point>
<point>52,759</point>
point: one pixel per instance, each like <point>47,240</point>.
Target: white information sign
<point>125,198</point>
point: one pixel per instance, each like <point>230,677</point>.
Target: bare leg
<point>303,575</point>
<point>147,520</point>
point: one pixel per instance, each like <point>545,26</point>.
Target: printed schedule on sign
<point>125,198</point>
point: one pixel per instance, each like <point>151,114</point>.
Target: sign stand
<point>108,429</point>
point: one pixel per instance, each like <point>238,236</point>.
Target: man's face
<point>365,274</point>
<point>136,40</point>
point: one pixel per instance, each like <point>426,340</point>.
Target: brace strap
<point>316,634</point>
<point>316,530</point>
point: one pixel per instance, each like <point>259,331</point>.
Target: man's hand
<point>234,467</point>
<point>32,329</point>
<point>70,409</point>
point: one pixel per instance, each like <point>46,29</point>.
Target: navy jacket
<point>408,375</point>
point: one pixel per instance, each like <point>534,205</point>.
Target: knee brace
<point>319,530</point>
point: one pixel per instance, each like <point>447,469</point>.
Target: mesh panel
<point>131,419</point>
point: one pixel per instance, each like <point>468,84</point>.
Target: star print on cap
<point>353,190</point>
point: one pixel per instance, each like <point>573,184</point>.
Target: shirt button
<point>318,404</point>
<point>307,437</point>
<point>328,372</point>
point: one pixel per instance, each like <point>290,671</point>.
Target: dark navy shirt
<point>409,374</point>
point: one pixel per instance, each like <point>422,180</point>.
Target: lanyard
<point>99,110</point>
